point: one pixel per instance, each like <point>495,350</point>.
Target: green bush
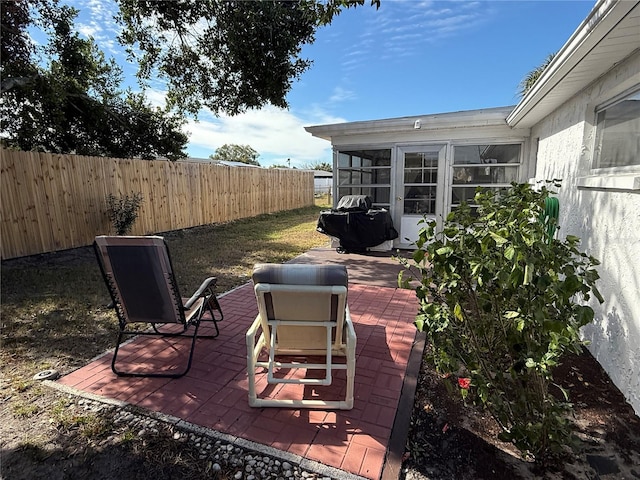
<point>501,301</point>
<point>123,211</point>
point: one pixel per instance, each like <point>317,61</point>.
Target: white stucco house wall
<point>579,123</point>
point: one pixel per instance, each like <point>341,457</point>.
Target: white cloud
<point>157,98</point>
<point>91,30</point>
<point>96,19</point>
<point>275,133</point>
<point>341,94</point>
<point>402,29</point>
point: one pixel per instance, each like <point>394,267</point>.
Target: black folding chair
<point>144,292</point>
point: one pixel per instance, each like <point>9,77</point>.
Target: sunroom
<point>423,166</point>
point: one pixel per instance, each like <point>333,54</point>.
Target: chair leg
<point>121,373</point>
<point>210,305</point>
<point>214,304</point>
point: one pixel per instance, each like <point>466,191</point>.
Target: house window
<point>488,166</point>
<point>618,132</point>
<point>365,172</point>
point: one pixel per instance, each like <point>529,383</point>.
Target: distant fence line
<point>52,202</point>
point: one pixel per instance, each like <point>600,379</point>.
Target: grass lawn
<point>54,313</point>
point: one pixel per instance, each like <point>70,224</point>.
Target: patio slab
<point>366,441</point>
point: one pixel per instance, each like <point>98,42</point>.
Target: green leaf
<point>584,315</point>
<point>403,282</point>
<point>511,314</point>
<point>528,274</point>
<point>444,250</point>
<point>498,239</point>
<point>509,252</point>
<point>457,312</point>
<point>450,232</point>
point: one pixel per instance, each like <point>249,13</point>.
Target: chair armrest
<point>350,331</point>
<point>253,329</point>
<point>253,347</point>
<point>211,281</point>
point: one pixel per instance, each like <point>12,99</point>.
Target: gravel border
<point>258,461</point>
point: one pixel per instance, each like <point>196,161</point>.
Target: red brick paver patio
<point>214,392</point>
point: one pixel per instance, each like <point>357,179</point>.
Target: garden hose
<point>550,216</point>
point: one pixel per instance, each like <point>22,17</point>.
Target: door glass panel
<point>420,199</point>
<point>420,183</point>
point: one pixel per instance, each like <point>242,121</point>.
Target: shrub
<point>501,302</point>
<point>123,211</point>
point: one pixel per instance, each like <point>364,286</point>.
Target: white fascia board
<point>451,120</point>
<point>604,16</point>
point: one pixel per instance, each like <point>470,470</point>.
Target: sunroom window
<point>618,132</point>
<point>365,172</point>
<point>488,166</point>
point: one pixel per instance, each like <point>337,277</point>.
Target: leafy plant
<point>531,78</point>
<point>227,56</point>
<point>501,302</point>
<point>123,211</point>
<point>63,95</point>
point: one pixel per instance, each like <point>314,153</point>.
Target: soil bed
<point>453,440</point>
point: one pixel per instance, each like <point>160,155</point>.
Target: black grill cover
<point>357,230</point>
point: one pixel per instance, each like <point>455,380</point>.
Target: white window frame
<point>608,178</point>
<point>598,110</point>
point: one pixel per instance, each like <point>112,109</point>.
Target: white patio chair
<point>302,313</point>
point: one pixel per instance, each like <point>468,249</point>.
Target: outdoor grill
<point>357,225</point>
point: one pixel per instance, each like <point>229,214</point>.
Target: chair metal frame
<point>339,339</point>
<point>185,313</point>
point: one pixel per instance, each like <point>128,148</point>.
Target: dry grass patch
<point>54,316</point>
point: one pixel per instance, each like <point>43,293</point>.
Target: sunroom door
<point>419,191</point>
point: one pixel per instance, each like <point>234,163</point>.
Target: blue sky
<point>410,57</point>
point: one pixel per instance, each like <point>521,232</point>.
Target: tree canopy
<point>236,153</point>
<point>317,165</point>
<point>530,78</point>
<point>282,165</point>
<point>72,101</point>
<point>227,55</point>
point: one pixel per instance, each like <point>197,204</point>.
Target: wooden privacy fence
<point>53,202</point>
